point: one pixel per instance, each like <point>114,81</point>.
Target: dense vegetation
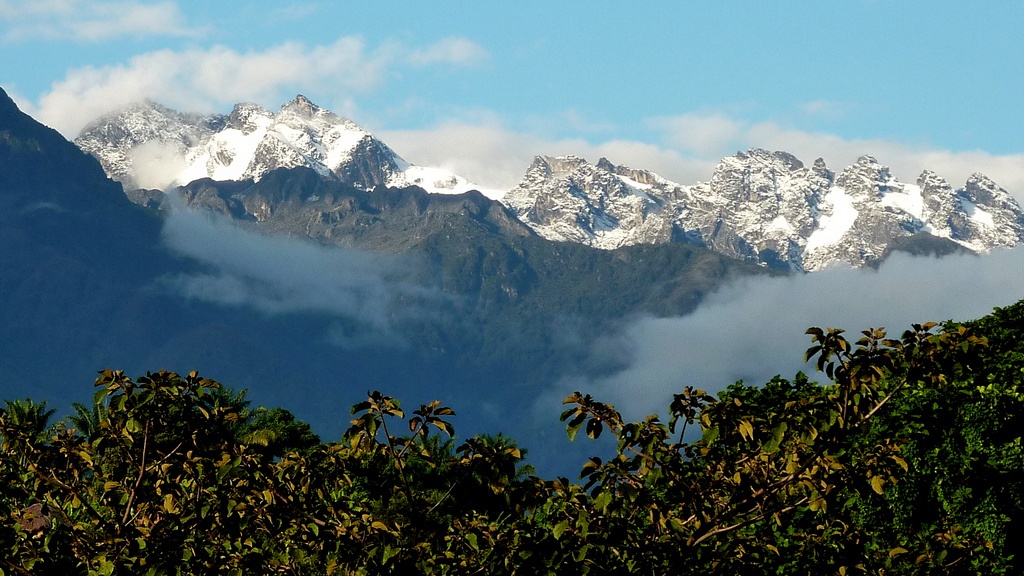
<point>907,460</point>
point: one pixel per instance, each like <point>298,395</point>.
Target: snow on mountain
<point>248,143</point>
<point>765,207</point>
<point>760,206</point>
<point>146,130</point>
<point>605,206</point>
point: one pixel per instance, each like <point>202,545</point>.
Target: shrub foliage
<point>906,460</point>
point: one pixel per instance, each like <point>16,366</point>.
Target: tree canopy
<point>907,459</point>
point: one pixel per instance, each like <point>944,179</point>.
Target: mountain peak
<point>867,170</point>
<point>763,155</point>
<point>982,189</point>
<point>246,117</point>
<point>302,106</point>
<point>6,103</point>
<point>605,164</point>
<point>247,144</point>
<point>558,166</point>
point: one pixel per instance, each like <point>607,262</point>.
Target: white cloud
<point>496,157</point>
<point>81,20</point>
<point>704,134</point>
<point>824,109</point>
<point>449,51</point>
<point>754,329</point>
<point>156,165</point>
<point>281,275</point>
<point>714,135</point>
<point>211,79</point>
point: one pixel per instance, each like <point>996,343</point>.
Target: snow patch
<point>780,224</point>
<point>832,227</point>
<point>905,197</point>
<point>439,181</point>
<point>976,214</point>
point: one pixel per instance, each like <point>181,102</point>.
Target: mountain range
<point>759,206</point>
<point>323,268</point>
<point>419,294</point>
<point>248,143</point>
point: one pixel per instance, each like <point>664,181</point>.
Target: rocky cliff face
<point>765,207</point>
<point>759,206</point>
<point>604,206</point>
<point>150,146</point>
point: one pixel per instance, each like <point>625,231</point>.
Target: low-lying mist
<point>281,275</point>
<point>751,330</point>
<point>754,328</point>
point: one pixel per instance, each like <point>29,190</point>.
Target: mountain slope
<point>486,313</point>
<point>150,146</point>
<point>764,207</point>
<point>475,247</point>
<point>759,206</point>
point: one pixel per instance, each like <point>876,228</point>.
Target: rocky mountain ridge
<point>765,207</point>
<point>150,146</point>
<point>758,206</point>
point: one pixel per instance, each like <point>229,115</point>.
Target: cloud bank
<point>212,79</point>
<point>689,146</point>
<point>89,21</point>
<point>714,135</point>
<point>754,328</point>
<point>369,293</point>
<point>497,157</point>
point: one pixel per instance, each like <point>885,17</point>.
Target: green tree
<point>908,460</point>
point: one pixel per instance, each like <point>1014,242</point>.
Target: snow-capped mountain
<point>148,145</point>
<point>763,206</point>
<point>600,205</point>
<point>760,206</point>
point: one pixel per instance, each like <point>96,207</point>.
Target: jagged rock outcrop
<point>151,146</point>
<point>765,207</point>
<point>759,206</point>
<point>604,206</point>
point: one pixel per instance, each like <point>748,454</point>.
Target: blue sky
<point>481,88</point>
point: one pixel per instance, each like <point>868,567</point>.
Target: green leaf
<point>603,500</point>
<point>711,435</point>
<point>778,433</point>
<point>169,503</point>
<point>574,426</point>
<point>558,529</point>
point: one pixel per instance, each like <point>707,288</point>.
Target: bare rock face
<point>602,205</point>
<point>765,207</point>
<point>760,206</point>
<point>247,144</point>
